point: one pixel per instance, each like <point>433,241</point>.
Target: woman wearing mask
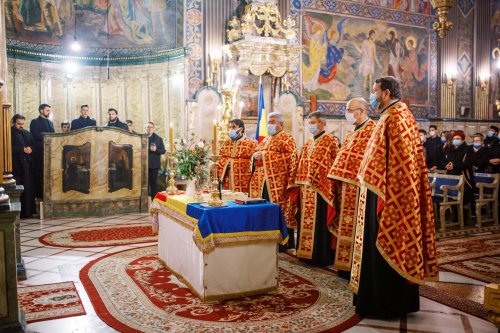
<point>458,161</point>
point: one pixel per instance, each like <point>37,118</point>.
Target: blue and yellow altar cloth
<point>219,226</point>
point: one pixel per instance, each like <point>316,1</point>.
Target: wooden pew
<point>448,191</point>
<point>487,196</point>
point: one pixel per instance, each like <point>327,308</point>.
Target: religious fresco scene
<point>114,23</point>
<point>232,166</point>
<point>342,56</point>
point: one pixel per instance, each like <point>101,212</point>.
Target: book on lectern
<point>250,201</point>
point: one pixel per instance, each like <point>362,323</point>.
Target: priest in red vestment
<point>234,165</point>
<point>317,194</point>
<point>345,169</point>
<point>274,161</point>
<point>395,243</point>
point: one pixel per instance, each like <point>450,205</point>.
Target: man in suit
<point>84,120</point>
<point>22,164</point>
<point>156,149</point>
<point>114,121</point>
<point>40,125</point>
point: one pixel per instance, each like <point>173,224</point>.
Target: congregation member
<point>318,194</point>
<point>65,127</point>
<point>114,121</point>
<point>155,150</point>
<point>273,162</point>
<point>345,169</point>
<point>38,126</point>
<point>130,125</point>
<point>395,247</point>
<point>234,164</point>
<point>480,153</point>
<point>22,164</point>
<point>494,158</point>
<point>433,149</point>
<point>423,137</point>
<point>84,120</point>
<point>491,136</point>
<point>459,160</point>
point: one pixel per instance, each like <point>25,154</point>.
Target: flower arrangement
<point>192,158</point>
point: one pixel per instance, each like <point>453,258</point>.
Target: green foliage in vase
<point>192,158</point>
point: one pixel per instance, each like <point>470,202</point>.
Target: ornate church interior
<point>250,166</point>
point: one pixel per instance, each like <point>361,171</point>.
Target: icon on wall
<point>76,168</point>
<point>120,166</point>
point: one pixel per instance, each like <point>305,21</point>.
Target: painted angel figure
<point>317,50</point>
<point>333,53</point>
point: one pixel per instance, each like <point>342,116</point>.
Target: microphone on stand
<point>219,187</point>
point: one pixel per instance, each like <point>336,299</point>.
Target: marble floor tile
<point>445,276</point>
<point>434,322</point>
<point>43,252</point>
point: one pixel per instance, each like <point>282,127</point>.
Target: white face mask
<point>350,117</point>
<point>432,133</point>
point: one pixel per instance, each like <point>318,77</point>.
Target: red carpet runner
<point>132,292</point>
<point>50,301</point>
<point>109,235</point>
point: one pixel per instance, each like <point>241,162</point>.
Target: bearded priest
<point>395,241</point>
<point>234,165</point>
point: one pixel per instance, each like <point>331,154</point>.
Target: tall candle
<point>171,132</point>
<point>313,102</point>
<point>214,147</point>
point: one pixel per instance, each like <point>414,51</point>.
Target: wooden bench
<point>447,192</point>
<point>486,196</point>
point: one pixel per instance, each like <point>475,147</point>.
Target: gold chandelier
<point>262,43</point>
<point>442,7</point>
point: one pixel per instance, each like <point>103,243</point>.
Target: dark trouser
<point>38,173</point>
<point>26,179</point>
<point>382,293</point>
<point>291,231</point>
<point>322,254</point>
<point>153,182</point>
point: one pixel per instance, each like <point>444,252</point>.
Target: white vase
<point>191,188</point>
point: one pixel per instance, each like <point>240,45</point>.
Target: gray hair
<point>276,115</point>
<point>319,115</point>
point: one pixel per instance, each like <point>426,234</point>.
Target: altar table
<point>220,253</point>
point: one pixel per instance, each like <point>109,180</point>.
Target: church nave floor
<point>46,264</point>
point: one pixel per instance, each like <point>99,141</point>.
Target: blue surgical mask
<point>443,139</point>
<point>477,144</point>
<point>457,142</point>
<point>313,128</point>
<point>233,134</point>
<point>490,133</point>
<point>373,101</point>
<point>271,129</point>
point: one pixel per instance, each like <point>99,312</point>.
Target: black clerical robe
<point>22,169</point>
<point>82,122</point>
<point>37,127</point>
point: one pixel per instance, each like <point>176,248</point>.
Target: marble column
<point>11,316</point>
<point>14,194</point>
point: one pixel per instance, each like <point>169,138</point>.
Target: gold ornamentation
<point>442,7</point>
<point>171,189</point>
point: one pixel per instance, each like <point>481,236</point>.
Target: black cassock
<point>37,127</point>
<point>382,293</point>
<point>22,165</point>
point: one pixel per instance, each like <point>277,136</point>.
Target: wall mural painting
<point>120,166</point>
<point>343,55</point>
<point>131,23</point>
<point>76,168</point>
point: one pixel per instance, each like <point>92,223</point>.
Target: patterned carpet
<point>460,249</point>
<point>486,269</point>
<point>109,235</point>
<point>132,291</point>
<point>50,301</point>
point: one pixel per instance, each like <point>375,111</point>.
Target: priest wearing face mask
<point>234,165</point>
<point>318,194</point>
<point>273,162</point>
<point>395,246</point>
<point>345,169</point>
<point>459,160</point>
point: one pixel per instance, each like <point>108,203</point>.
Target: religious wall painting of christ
<point>120,166</point>
<point>76,168</point>
<point>342,56</point>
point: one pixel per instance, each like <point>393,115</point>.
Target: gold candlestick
<point>215,200</point>
<point>171,189</point>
